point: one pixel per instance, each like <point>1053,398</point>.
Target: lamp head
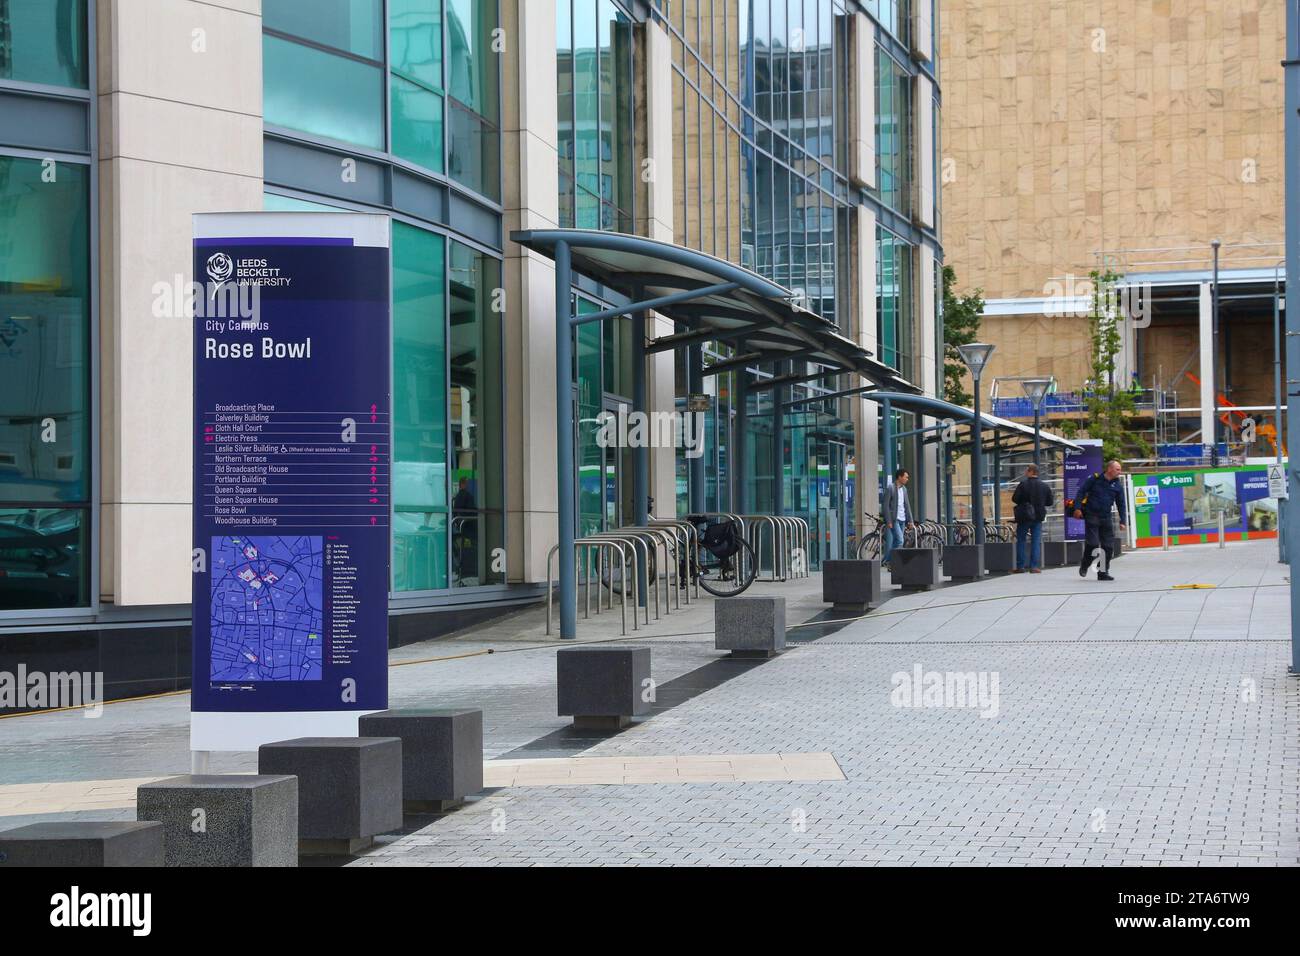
<point>1036,389</point>
<point>976,356</point>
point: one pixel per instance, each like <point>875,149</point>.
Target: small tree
<point>961,326</point>
<point>1109,408</point>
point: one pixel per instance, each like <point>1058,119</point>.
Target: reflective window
<point>476,425</point>
<point>473,115</point>
<point>353,26</point>
<point>321,93</point>
<point>416,82</point>
<point>893,133</point>
<point>596,120</point>
<point>43,558</point>
<point>43,41</point>
<point>44,383</point>
<point>415,40</point>
<point>448,470</point>
<point>894,15</point>
<point>894,302</point>
<point>417,123</point>
<point>420,485</point>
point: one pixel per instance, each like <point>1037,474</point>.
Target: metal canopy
<point>761,319</point>
<point>1011,435</point>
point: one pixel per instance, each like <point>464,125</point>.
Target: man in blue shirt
<point>1093,502</point>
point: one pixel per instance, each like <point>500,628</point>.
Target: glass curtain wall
<point>45,451</point>
<point>893,133</point>
<point>476,427</point>
<point>325,75</point>
<point>43,42</point>
<point>448,472</point>
<point>45,332</point>
<point>595,79</point>
<point>894,15</point>
<point>473,82</point>
<point>323,69</point>
<point>759,90</point>
<point>895,301</point>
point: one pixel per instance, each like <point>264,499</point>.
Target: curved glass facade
<point>434,103</point>
<point>443,101</point>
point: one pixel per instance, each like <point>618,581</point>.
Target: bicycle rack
<point>646,544</point>
<point>754,535</point>
<point>594,549</point>
<point>688,539</point>
<point>789,536</point>
<point>662,543</point>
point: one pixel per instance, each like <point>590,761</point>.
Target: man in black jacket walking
<point>1093,502</point>
<point>1032,498</point>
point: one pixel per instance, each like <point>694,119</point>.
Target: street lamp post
<point>976,356</point>
<point>1036,390</point>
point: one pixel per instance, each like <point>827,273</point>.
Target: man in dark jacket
<point>1093,502</point>
<point>1032,498</point>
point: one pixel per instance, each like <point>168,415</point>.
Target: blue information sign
<point>291,475</point>
<point>1078,466</point>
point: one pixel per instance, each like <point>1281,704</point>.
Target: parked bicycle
<point>724,562</point>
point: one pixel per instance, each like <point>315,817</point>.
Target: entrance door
<point>830,511</point>
<point>604,477</point>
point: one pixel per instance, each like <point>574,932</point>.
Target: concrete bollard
<point>603,688</point>
<point>442,754</point>
<point>224,819</point>
<point>349,789</point>
<point>82,843</point>
<point>751,626</point>
<point>851,585</point>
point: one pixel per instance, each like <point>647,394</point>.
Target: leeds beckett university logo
<point>220,267</point>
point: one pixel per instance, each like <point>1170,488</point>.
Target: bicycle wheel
<point>611,573</point>
<point>727,577</point>
<point>869,547</point>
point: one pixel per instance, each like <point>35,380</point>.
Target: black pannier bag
<point>719,539</point>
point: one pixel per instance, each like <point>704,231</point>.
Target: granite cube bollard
<point>83,843</point>
<point>349,789</point>
<point>1073,552</point>
<point>750,626</point>
<point>1055,554</point>
<point>851,585</point>
<point>602,688</point>
<point>999,556</point>
<point>224,819</point>
<point>963,562</point>
<point>914,569</point>
<point>442,753</point>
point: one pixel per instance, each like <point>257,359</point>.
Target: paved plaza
<point>1139,722</point>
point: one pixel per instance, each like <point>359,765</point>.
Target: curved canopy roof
<point>1011,436</point>
<point>763,321</point>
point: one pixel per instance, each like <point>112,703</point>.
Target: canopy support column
<point>641,451</point>
<point>695,466</point>
<point>997,478</point>
<point>740,443</point>
<point>947,490</point>
<point>887,425</point>
<point>565,454</point>
<point>778,449</point>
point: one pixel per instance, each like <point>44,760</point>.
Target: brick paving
<point>1133,724</point>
